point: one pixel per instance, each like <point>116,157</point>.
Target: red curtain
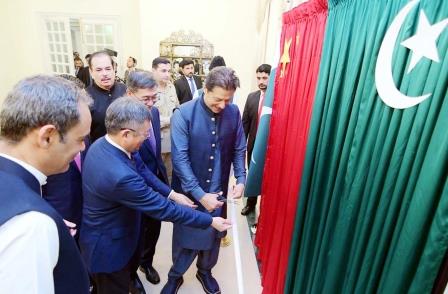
<point>295,84</point>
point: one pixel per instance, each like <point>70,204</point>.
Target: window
<point>59,46</point>
<point>66,35</point>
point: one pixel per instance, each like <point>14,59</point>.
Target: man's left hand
<point>237,191</point>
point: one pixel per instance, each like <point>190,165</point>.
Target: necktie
<point>152,140</point>
<point>192,86</point>
<point>260,105</point>
<point>78,160</point>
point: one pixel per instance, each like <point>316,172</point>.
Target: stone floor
<point>225,271</point>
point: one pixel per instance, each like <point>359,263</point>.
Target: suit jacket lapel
<point>257,100</point>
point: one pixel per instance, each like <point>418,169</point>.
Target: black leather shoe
<point>172,286</point>
<point>151,274</point>
<point>136,286</point>
<point>209,284</point>
<point>247,209</point>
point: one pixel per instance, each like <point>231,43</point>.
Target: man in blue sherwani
<point>206,138</point>
<point>143,86</point>
<point>115,194</point>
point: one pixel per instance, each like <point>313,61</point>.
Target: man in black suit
<point>187,84</point>
<point>83,73</point>
<point>251,114</point>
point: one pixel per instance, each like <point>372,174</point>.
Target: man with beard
<point>83,73</point>
<point>104,90</point>
<point>78,64</point>
<point>251,115</point>
<point>188,83</point>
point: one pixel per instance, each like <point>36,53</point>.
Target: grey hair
<point>41,100</point>
<point>126,112</point>
<point>140,80</point>
<point>223,77</point>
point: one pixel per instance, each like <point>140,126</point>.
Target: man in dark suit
<point>114,201</point>
<point>187,84</point>
<point>251,114</point>
<point>83,73</point>
<point>43,123</point>
<point>143,86</point>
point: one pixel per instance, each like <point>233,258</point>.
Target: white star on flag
<point>423,43</point>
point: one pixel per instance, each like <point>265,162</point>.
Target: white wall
<point>229,25</point>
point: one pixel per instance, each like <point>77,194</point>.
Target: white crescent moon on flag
<point>252,158</point>
<point>384,81</point>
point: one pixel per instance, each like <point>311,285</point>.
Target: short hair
<point>159,60</point>
<point>133,59</point>
<point>216,61</point>
<point>77,59</point>
<point>266,68</point>
<point>125,112</point>
<point>98,53</point>
<point>140,80</point>
<point>185,62</point>
<point>223,77</point>
<point>40,100</point>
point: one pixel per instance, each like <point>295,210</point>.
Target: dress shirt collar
<point>41,178</point>
<point>108,139</point>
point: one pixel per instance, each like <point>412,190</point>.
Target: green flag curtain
<point>373,209</point>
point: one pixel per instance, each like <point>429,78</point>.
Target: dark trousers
<point>183,258</point>
<point>117,282</point>
<point>151,233</point>
<point>113,283</point>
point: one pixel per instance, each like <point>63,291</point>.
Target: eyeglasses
<point>154,98</point>
<point>144,135</point>
<point>145,99</point>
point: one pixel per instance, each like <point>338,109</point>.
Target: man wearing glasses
<point>143,86</point>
